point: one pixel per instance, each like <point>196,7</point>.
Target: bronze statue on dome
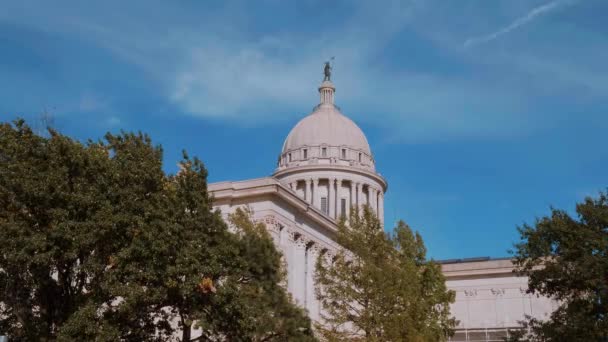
<point>327,70</point>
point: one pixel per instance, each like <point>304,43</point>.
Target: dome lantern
<point>326,92</point>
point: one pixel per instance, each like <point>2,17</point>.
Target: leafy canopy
<point>381,287</point>
<point>566,258</point>
<point>98,243</point>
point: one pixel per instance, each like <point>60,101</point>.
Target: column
<point>312,303</point>
<point>339,212</point>
<point>381,207</point>
<point>353,195</point>
<point>376,194</point>
<point>315,192</point>
<point>299,271</point>
<point>359,195</point>
<point>372,199</point>
<point>332,198</point>
<point>308,195</point>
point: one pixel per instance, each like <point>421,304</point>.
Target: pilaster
<point>299,271</point>
<point>312,303</point>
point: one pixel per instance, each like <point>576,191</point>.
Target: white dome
<point>326,126</point>
<point>326,137</point>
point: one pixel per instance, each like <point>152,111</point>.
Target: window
<point>360,157</point>
<point>289,157</point>
<point>305,154</point>
<point>343,153</point>
<point>343,206</point>
<point>324,205</point>
<point>324,152</point>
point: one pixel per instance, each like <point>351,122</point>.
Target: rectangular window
<point>289,157</point>
<point>360,157</point>
<point>324,152</point>
<point>343,206</point>
<point>305,154</point>
<point>324,205</point>
<point>343,153</point>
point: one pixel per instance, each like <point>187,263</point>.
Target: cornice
<point>478,269</point>
<point>227,192</point>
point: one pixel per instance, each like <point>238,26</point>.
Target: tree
<point>381,287</point>
<point>56,229</point>
<point>566,258</point>
<point>98,243</point>
<point>253,306</point>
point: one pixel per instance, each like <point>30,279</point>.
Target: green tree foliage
<point>381,287</point>
<point>97,243</point>
<point>566,259</point>
<point>254,306</point>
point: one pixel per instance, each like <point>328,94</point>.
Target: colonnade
<point>356,194</point>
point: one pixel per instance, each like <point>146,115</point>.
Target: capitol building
<point>325,168</point>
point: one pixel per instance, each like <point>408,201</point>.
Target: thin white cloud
<point>527,18</point>
<point>113,121</point>
<point>91,103</point>
<point>215,67</point>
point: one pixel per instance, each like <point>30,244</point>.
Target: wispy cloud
<point>113,121</point>
<point>517,23</point>
<point>219,64</point>
<point>91,103</point>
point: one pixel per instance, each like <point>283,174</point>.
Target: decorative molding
<point>497,292</point>
<point>293,233</point>
<point>271,223</point>
<point>310,244</point>
<point>298,239</point>
<point>293,236</point>
<point>470,293</point>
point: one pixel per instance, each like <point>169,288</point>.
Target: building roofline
<point>228,191</point>
<point>474,268</point>
<point>472,259</point>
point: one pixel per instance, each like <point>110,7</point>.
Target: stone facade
<point>299,230</point>
<point>490,299</point>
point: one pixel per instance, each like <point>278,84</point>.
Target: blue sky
<point>480,114</point>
